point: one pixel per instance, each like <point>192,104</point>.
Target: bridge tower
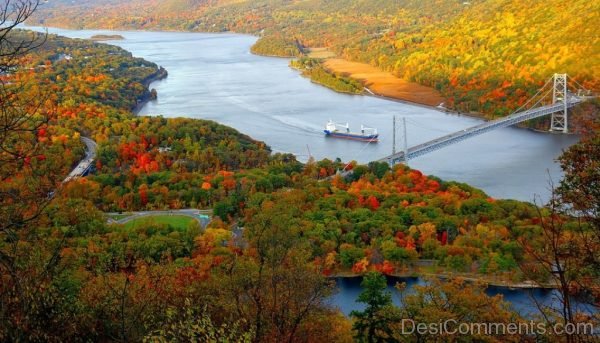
<point>559,121</point>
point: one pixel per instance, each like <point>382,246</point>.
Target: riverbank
<point>313,70</point>
<point>409,93</point>
<point>150,94</point>
<point>488,280</point>
<point>362,89</point>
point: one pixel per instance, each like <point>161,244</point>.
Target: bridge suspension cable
<point>535,95</point>
<point>415,123</point>
<point>580,87</point>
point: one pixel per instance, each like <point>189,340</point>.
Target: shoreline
<point>384,83</point>
<point>523,285</point>
<point>106,38</point>
<point>305,74</point>
<point>263,55</point>
<point>159,75</point>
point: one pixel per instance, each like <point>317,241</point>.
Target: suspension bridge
<point>554,98</point>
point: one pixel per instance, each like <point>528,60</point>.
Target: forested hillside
<point>259,272</point>
<point>484,56</point>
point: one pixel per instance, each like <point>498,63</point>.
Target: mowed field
<point>175,221</point>
<point>384,83</point>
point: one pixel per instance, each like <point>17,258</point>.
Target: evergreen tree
<point>374,323</point>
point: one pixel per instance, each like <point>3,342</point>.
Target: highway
<point>85,164</point>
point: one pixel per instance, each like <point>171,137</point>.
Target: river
<point>214,76</point>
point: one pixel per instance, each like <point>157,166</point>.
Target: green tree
<point>350,255</point>
<point>278,290</point>
<point>379,168</point>
<point>224,209</point>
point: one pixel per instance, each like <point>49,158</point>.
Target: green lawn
<point>179,222</point>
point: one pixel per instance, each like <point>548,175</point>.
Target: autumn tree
<point>581,185</point>
<point>197,326</point>
<point>27,183</point>
<point>25,186</point>
<point>454,301</point>
<point>565,255</point>
<point>275,286</point>
<point>579,191</point>
<point>22,120</point>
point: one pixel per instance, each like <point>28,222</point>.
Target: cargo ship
<point>366,134</point>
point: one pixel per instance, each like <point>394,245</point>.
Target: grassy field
<point>179,222</point>
<point>384,83</point>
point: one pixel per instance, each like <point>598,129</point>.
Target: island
<point>99,38</point>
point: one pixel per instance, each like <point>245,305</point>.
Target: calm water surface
<point>521,300</point>
<point>214,76</point>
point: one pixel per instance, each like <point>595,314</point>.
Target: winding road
<point>203,217</point>
<point>85,164</point>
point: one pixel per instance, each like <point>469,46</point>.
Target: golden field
<point>385,83</point>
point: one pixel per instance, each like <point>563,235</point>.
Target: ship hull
<point>352,136</point>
